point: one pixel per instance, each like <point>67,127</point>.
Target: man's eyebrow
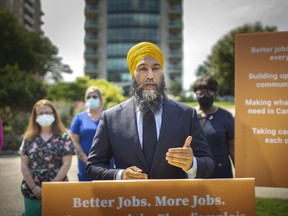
<point>144,64</point>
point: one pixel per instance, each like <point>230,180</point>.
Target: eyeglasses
<point>44,113</point>
<point>203,93</point>
<point>94,97</point>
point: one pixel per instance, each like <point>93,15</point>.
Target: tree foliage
<point>19,90</point>
<point>26,59</point>
<point>220,63</point>
<point>75,91</point>
<point>32,51</point>
<point>175,88</point>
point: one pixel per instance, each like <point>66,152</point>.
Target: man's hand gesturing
<point>181,157</point>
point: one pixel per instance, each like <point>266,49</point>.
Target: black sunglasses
<point>92,97</point>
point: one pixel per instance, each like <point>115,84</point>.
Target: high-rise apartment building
<point>112,27</point>
<point>28,12</point>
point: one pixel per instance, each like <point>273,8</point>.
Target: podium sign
<point>196,197</point>
<point>261,111</point>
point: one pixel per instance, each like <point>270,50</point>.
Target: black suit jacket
<point>117,137</point>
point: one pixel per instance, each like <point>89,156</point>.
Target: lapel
<point>131,131</point>
<point>170,116</point>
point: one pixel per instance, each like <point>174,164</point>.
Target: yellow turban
<point>141,50</point>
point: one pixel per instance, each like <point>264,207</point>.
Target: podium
<point>193,197</point>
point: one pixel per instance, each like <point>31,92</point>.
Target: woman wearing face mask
<point>84,126</point>
<point>217,125</point>
<point>46,154</point>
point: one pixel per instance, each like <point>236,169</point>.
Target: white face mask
<point>45,120</point>
<point>93,103</point>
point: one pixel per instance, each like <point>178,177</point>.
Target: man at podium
<point>149,136</point>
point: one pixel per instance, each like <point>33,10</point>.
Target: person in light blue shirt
<point>84,126</point>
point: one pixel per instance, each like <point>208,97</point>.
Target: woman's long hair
<point>34,129</point>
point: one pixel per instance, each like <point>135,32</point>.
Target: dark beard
<point>148,100</point>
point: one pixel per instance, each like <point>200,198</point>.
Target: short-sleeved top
<point>85,128</point>
<point>218,129</point>
<point>45,158</point>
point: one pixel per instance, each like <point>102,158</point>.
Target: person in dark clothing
<point>217,125</point>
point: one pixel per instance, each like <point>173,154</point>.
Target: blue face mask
<point>93,103</point>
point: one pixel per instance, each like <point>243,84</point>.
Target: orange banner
<point>261,108</point>
<point>226,197</point>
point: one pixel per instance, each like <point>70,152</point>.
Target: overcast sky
<point>205,22</point>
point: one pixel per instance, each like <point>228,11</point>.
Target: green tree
<point>49,64</point>
<point>69,91</point>
<point>31,51</point>
<point>203,69</point>
<point>75,91</point>
<point>19,89</point>
<point>220,63</point>
<point>26,60</point>
<point>15,44</point>
<point>175,88</point>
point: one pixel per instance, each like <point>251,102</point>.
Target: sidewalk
<point>11,200</point>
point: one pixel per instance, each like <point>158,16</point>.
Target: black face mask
<point>205,101</point>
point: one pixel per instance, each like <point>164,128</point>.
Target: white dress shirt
<point>158,120</point>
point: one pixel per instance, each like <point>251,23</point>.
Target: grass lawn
<point>271,207</point>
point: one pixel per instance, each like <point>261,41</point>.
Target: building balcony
<point>175,39</point>
<point>91,11</point>
<point>175,68</point>
<point>91,40</point>
<point>175,9</point>
<point>175,75</point>
<point>91,25</point>
<point>28,19</point>
<point>175,25</point>
<point>175,55</point>
<point>29,8</point>
<point>91,70</point>
<point>91,56</point>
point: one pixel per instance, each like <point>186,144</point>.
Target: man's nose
<point>149,80</point>
<point>150,73</point>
